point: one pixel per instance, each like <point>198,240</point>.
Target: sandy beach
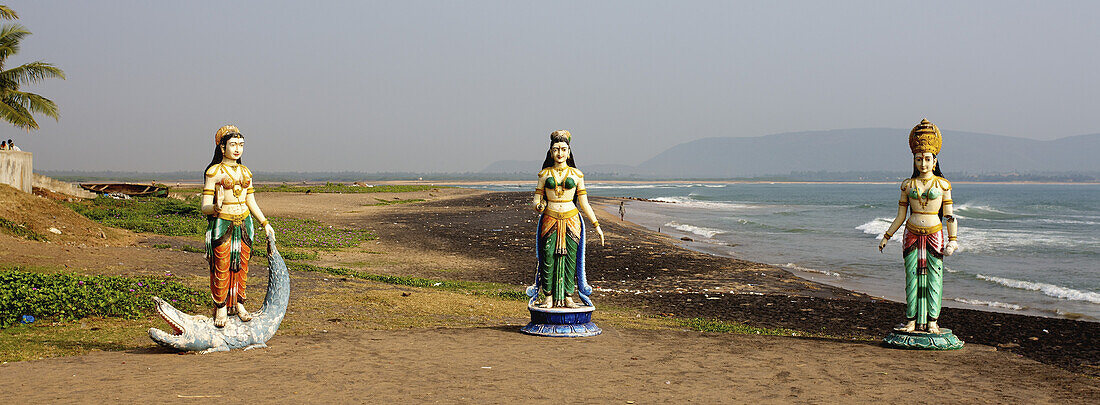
<point>334,345</point>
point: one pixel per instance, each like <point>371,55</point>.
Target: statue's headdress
<point>925,137</point>
<point>560,135</point>
<point>223,131</point>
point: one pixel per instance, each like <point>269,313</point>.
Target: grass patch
<point>310,234</point>
<point>187,248</point>
<point>161,246</point>
<point>41,340</point>
<point>66,296</point>
<point>493,290</point>
<point>343,188</point>
<point>164,216</point>
<point>392,202</point>
<point>714,325</point>
<point>18,230</point>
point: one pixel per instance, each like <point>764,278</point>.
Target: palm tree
<point>17,106</point>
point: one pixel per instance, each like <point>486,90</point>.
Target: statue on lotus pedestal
<point>926,198</point>
<point>560,197</point>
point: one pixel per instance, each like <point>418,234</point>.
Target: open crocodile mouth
<point>177,329</point>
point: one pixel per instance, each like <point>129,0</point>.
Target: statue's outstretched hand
<point>600,232</point>
<point>952,246</point>
<point>882,244</point>
<point>270,233</point>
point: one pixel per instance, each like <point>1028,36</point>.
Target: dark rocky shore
<point>642,269</point>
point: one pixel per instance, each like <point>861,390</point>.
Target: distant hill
<point>870,150</point>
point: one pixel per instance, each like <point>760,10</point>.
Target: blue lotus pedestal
<point>945,340</point>
<point>561,322</point>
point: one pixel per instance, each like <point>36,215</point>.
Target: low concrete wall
<point>16,170</point>
<point>61,187</point>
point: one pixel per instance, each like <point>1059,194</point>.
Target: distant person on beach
<point>926,196</point>
<point>228,202</point>
<point>4,145</point>
<point>561,233</point>
<point>11,145</point>
<point>622,211</point>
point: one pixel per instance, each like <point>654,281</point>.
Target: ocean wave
<point>698,230</point>
<point>796,267</point>
<point>713,205</point>
<point>999,240</point>
<point>993,304</point>
<point>1047,289</point>
<point>878,227</point>
<point>975,211</point>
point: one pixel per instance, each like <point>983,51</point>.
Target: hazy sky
<point>454,86</point>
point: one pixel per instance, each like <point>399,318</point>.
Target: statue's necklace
<point>559,177</point>
<point>237,179</point>
<point>920,194</point>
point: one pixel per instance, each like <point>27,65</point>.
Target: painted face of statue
<point>924,162</point>
<point>560,152</point>
<point>233,148</point>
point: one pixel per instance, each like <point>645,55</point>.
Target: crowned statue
<point>925,209</point>
<point>560,198</point>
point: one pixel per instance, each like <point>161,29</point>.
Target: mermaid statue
<point>228,202</point>
<point>926,198</point>
<point>560,236</point>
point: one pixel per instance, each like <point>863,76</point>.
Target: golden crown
<point>925,137</point>
<point>223,131</point>
<point>562,132</point>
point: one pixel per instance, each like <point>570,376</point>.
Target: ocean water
<point>1024,248</point>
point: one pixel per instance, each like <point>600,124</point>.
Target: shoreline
<point>639,268</point>
<point>823,275</point>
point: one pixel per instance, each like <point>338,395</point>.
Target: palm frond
<point>7,13</point>
<point>10,36</point>
<point>30,73</point>
<point>16,114</point>
<point>33,103</point>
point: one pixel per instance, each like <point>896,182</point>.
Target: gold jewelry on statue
<point>561,214</point>
<point>207,191</point>
<point>596,224</point>
<point>923,230</point>
<point>951,238</point>
<point>926,212</point>
<point>264,222</point>
<point>582,192</point>
<point>925,137</point>
<point>948,202</point>
<point>903,203</point>
<point>223,131</point>
<point>887,235</point>
<point>236,219</point>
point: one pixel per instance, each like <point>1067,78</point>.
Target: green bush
<point>164,216</point>
<point>66,296</point>
<point>309,234</point>
<point>18,230</point>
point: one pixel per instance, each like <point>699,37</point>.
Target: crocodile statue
<point>198,333</point>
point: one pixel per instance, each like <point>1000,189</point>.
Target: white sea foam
<point>995,240</point>
<point>796,267</point>
<point>877,227</point>
<point>698,230</point>
<point>993,304</point>
<point>713,205</point>
<point>1048,289</point>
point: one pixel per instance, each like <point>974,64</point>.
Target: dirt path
<point>498,365</point>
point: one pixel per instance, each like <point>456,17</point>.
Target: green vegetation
<point>17,107</point>
<point>714,325</point>
<point>311,234</point>
<point>392,202</point>
<point>342,188</point>
<point>164,216</point>
<point>65,296</point>
<point>495,290</point>
<point>17,230</point>
<point>161,245</point>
